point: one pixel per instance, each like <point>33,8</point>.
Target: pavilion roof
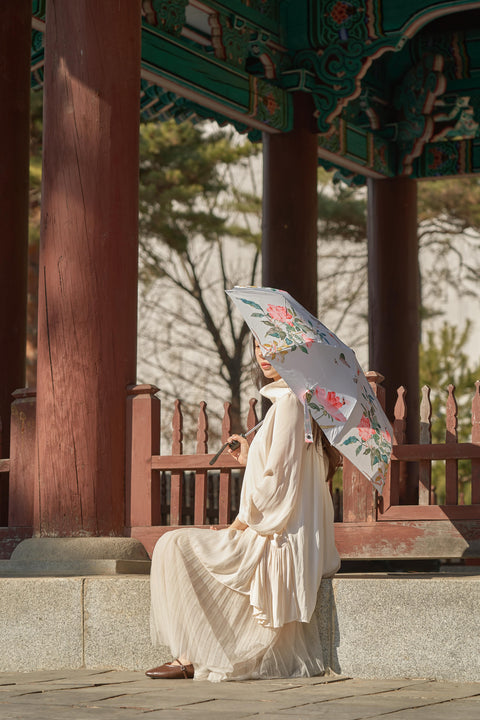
<point>395,85</point>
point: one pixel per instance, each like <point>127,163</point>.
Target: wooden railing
<point>164,491</point>
<point>368,527</point>
<point>423,454</point>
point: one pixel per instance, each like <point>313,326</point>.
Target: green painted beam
<point>449,158</point>
<point>356,151</point>
<point>265,14</point>
<point>178,64</point>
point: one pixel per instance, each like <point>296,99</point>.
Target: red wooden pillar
<point>88,264</point>
<point>289,237</point>
<point>394,291</point>
<point>15,40</point>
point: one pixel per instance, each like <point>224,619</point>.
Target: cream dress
<point>237,603</point>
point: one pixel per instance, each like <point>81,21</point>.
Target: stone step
<point>372,625</point>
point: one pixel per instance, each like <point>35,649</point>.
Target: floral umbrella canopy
<point>324,374</point>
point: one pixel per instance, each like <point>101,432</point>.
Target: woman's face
<point>267,369</point>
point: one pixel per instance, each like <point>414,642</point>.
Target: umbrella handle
<point>232,445</point>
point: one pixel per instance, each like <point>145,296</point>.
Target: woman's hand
<point>238,525</point>
<point>240,453</point>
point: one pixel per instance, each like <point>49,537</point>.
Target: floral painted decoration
<point>371,439</point>
<point>329,405</point>
<point>286,330</point>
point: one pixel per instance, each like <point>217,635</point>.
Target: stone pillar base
<point>63,557</point>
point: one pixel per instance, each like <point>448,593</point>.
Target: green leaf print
<point>253,304</point>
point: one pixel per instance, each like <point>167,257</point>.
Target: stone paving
<point>118,695</point>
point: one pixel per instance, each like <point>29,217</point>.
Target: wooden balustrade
<point>426,452</point>
<point>164,491</point>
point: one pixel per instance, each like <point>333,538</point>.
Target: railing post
<point>225,489</point>
<point>201,477</point>
<point>22,458</point>
<point>3,488</point>
<point>398,472</point>
<point>359,501</point>
<point>143,441</point>
<point>476,439</point>
<point>425,466</point>
<point>451,436</point>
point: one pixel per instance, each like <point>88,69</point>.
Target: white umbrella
<point>324,374</point>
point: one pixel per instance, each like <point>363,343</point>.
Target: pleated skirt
<point>205,620</point>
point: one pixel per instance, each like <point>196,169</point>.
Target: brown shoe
<point>169,671</point>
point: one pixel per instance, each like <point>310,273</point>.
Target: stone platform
<point>121,695</point>
<point>372,626</point>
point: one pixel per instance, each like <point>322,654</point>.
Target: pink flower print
<point>278,312</point>
<point>365,429</point>
<point>307,340</point>
<point>386,435</point>
<point>331,403</point>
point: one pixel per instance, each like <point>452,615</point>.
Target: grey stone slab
<point>41,623</point>
<point>164,701</point>
<point>117,624</point>
<point>334,691</point>
<point>406,626</point>
<point>359,706</point>
<point>31,712</point>
<point>78,696</point>
<point>56,676</point>
<point>468,709</point>
<point>72,568</point>
<point>217,709</point>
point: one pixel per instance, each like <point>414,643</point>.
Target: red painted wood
<point>15,44</point>
<point>439,451</point>
<point>414,539</point>
<point>10,537</point>
<point>201,476</point>
<point>202,431</point>
<point>252,418</point>
<point>425,466</point>
<point>393,540</point>
<point>359,497</point>
<point>476,439</point>
<point>227,421</point>
<point>177,429</point>
<point>88,264</point>
<point>289,231</point>
<point>224,498</point>
<point>394,293</point>
<point>176,482</point>
<point>143,506</point>
<point>451,437</point>
<point>225,490</point>
<point>193,462</point>
<point>397,471</point>
<point>432,512</point>
<point>22,461</point>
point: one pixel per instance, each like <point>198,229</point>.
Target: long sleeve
<point>271,486</point>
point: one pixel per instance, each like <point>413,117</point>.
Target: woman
<point>237,603</point>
